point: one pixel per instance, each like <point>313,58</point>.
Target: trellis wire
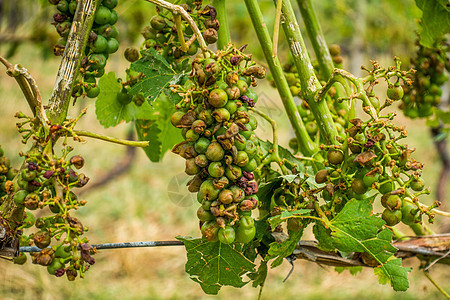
<point>119,245</point>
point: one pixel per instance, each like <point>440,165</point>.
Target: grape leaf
<point>280,250</point>
<point>356,229</point>
<point>265,192</point>
<point>399,278</point>
<point>108,110</point>
<point>323,236</point>
<point>214,265</point>
<point>156,128</point>
<point>148,130</point>
<point>353,270</point>
<point>158,74</point>
<point>435,21</point>
<point>259,277</point>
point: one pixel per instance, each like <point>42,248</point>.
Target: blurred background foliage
<point>141,205</point>
<point>375,27</point>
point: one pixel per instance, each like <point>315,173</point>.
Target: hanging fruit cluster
<point>368,162</point>
<point>102,42</point>
<point>45,182</point>
<point>162,34</point>
<point>426,90</point>
<point>220,148</point>
<point>374,161</point>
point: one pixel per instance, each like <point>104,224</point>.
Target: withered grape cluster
<point>162,33</point>
<point>45,182</point>
<point>219,145</point>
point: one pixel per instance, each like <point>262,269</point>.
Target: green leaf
<point>281,250</point>
<point>356,229</point>
<point>259,277</point>
<point>265,192</point>
<point>353,270</point>
<point>323,236</point>
<point>108,110</point>
<point>214,265</point>
<point>156,128</point>
<point>148,130</point>
<point>157,72</point>
<point>435,21</point>
<point>399,275</point>
<point>261,226</point>
<point>285,215</point>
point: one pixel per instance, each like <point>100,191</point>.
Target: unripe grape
<point>102,15</point>
<point>335,157</point>
<point>321,176</point>
<point>394,92</point>
<point>226,235</point>
<point>392,217</point>
<point>215,169</point>
<point>215,152</point>
<point>157,22</point>
<point>226,196</point>
<point>218,98</point>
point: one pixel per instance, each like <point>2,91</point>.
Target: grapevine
<point>187,88</point>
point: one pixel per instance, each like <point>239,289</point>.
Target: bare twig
<point>308,250</point>
<point>437,260</point>
<point>29,89</point>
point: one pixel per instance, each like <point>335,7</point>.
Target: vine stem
<point>306,145</point>
<point>308,79</point>
<point>224,30</point>
<point>29,89</point>
<point>339,76</point>
<point>319,45</point>
<point>427,275</point>
<point>275,154</point>
<point>70,64</point>
<point>110,139</point>
<point>276,28</point>
<point>180,10</point>
<point>180,33</point>
<point>434,210</point>
<point>316,37</point>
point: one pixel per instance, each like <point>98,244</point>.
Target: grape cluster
<point>375,161</point>
<point>426,91</point>
<point>368,162</point>
<point>220,148</point>
<point>45,182</point>
<point>102,42</point>
<point>162,32</point>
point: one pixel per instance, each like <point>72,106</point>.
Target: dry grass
<point>137,208</point>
